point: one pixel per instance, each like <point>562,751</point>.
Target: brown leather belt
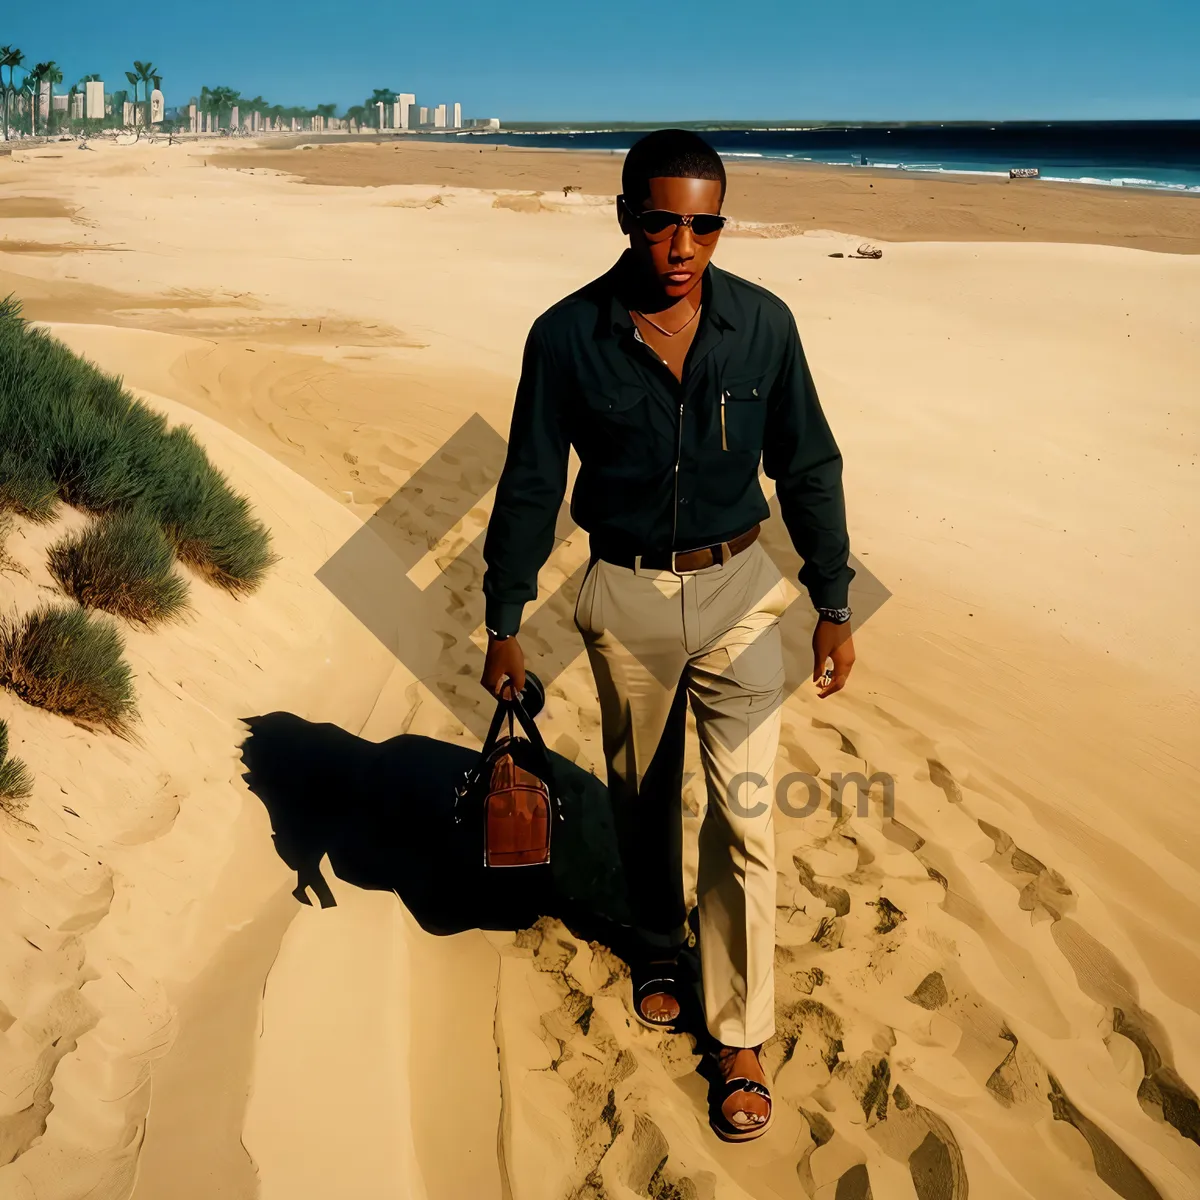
<point>683,562</point>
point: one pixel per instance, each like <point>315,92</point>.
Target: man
<point>674,380</point>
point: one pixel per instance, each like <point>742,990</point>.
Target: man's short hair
<point>670,154</point>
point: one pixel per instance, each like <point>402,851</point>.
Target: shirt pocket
<point>615,421</point>
<point>615,401</point>
<point>742,418</point>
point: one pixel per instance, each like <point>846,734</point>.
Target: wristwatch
<point>836,616</point>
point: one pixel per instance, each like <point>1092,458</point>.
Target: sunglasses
<point>658,224</point>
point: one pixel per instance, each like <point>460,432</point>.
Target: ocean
<point>1141,154</point>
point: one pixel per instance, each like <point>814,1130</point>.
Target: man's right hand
<point>505,662</point>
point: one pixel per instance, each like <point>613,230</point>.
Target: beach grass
<point>7,562</point>
<point>69,662</point>
<point>122,565</point>
<point>16,782</point>
<point>71,434</point>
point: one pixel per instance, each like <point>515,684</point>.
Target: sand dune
<point>993,990</point>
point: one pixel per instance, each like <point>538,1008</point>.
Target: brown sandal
<point>731,1131</point>
<point>659,977</point>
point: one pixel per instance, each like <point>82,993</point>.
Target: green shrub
<point>16,783</point>
<point>210,525</point>
<point>68,431</point>
<point>121,564</point>
<point>61,659</point>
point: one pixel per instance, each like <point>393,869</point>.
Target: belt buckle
<point>676,570</point>
<point>721,559</point>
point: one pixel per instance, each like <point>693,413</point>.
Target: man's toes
<point>750,1111</point>
<point>660,1007</point>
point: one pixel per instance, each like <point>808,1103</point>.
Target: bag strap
<point>535,737</point>
<point>510,708</point>
<point>472,775</point>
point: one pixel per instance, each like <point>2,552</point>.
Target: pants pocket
<point>756,659</point>
<point>585,602</point>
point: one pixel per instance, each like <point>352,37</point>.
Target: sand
<point>772,199</point>
<point>995,988</point>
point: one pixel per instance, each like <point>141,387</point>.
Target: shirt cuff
<point>830,594</point>
<point>504,618</point>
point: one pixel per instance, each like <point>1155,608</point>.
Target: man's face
<point>676,262</point>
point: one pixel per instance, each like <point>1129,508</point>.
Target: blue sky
<point>641,60</point>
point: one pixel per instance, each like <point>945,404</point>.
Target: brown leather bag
<point>517,817</point>
<point>511,789</point>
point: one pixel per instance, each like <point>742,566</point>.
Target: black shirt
<point>661,465</point>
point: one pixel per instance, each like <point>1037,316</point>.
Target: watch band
<point>837,616</point>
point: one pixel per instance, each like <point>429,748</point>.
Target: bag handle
<point>510,707</point>
<point>529,725</point>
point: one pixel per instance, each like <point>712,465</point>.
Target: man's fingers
<point>836,678</point>
<point>835,685</point>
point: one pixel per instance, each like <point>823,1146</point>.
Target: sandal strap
<point>646,985</point>
<point>740,1084</point>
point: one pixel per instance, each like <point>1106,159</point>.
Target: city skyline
<point>864,61</point>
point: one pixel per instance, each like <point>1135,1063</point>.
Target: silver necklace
<point>667,332</point>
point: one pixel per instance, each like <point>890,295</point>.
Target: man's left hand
<point>832,641</point>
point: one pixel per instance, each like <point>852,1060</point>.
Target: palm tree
<point>142,73</point>
<point>147,74</point>
<point>227,99</point>
<point>28,91</point>
<point>254,106</point>
<point>36,77</point>
<point>219,100</point>
<point>52,76</point>
<point>11,58</point>
<point>384,96</point>
<point>5,54</point>
<point>134,80</point>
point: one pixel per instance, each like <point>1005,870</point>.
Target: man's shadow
<point>384,814</point>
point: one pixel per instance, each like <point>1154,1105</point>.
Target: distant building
<point>439,117</point>
<point>95,100</point>
<point>423,116</point>
<point>404,105</point>
<point>457,124</point>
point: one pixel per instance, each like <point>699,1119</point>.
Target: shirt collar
<point>615,321</point>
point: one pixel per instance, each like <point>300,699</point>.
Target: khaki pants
<point>658,641</point>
